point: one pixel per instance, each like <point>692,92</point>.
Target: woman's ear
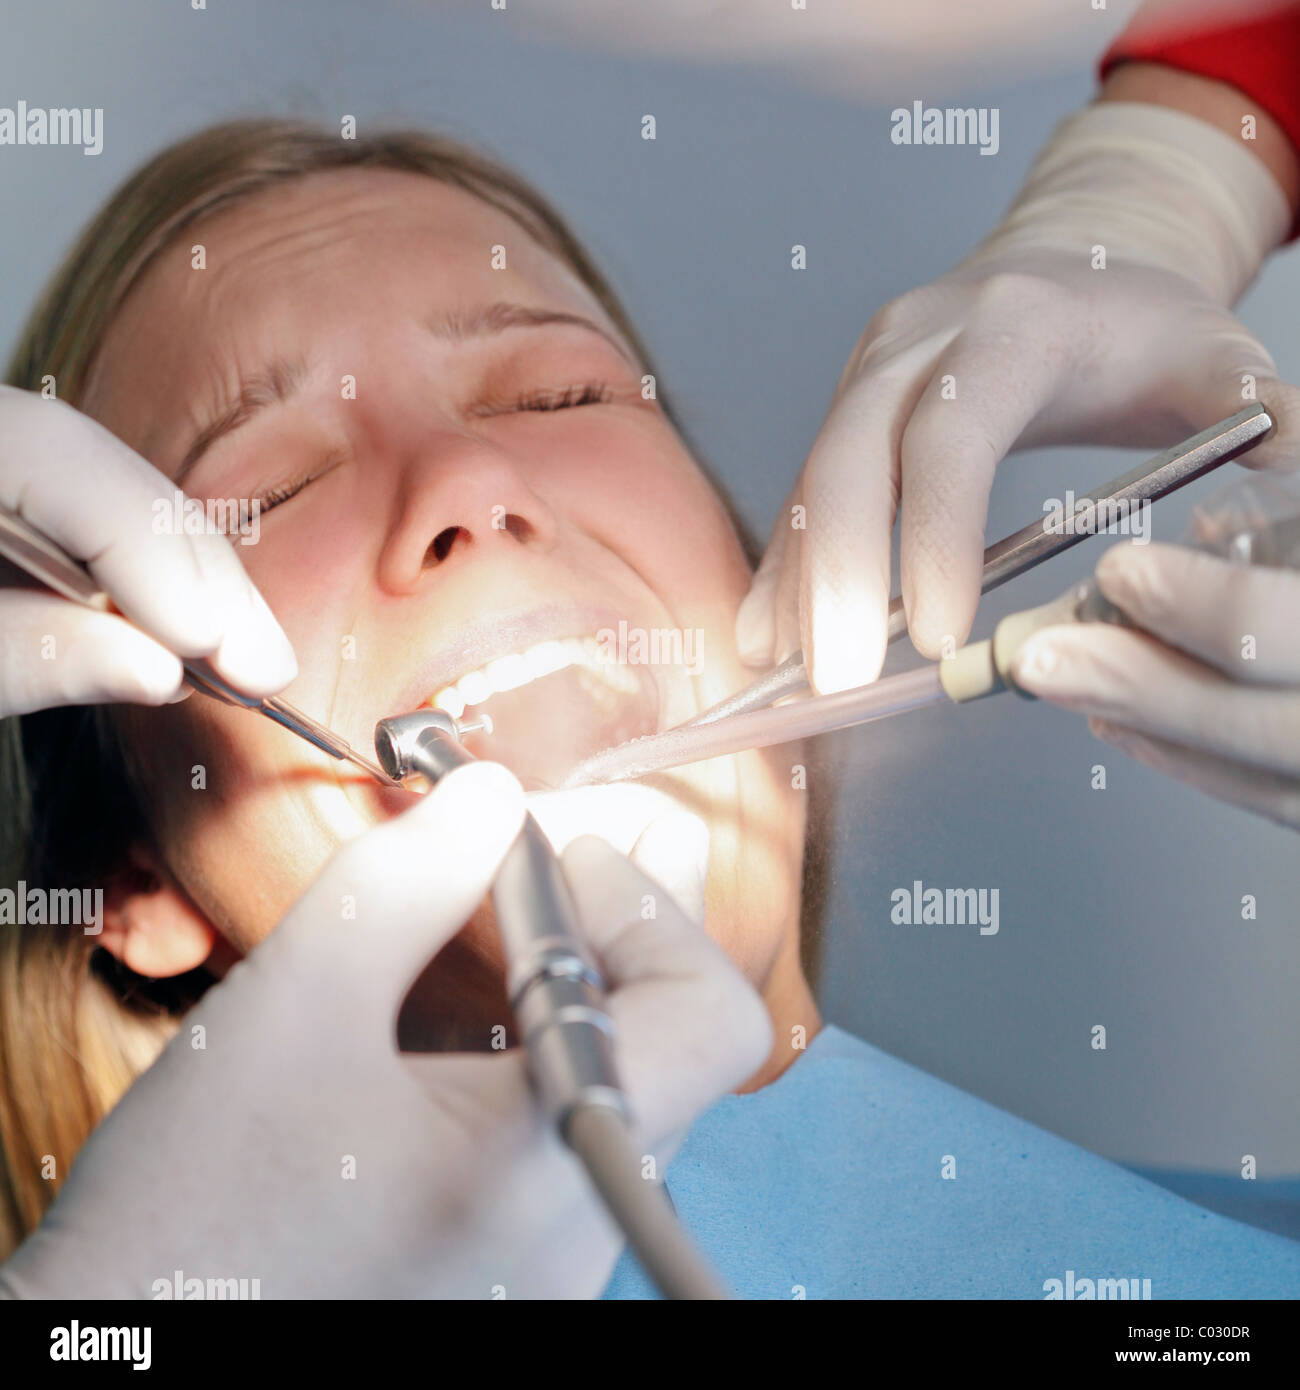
<point>150,925</point>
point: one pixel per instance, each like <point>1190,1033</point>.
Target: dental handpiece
<point>37,555</point>
<point>556,993</point>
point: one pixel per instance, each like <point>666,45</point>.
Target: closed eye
<point>593,393</point>
<point>589,393</point>
<point>279,494</point>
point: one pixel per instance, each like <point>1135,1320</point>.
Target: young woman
<point>465,480</point>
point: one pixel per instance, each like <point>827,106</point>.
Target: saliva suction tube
<point>556,994</point>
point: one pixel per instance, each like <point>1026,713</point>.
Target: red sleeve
<point>1260,57</point>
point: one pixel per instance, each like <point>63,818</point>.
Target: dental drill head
<point>426,743</point>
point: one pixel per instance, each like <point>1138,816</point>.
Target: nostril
<point>517,527</point>
<point>443,542</point>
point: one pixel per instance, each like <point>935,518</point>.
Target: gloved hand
<point>299,1147</point>
<point>1196,699</point>
<point>94,496</point>
<point>1028,342</point>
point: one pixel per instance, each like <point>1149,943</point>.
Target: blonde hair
<point>76,1028</point>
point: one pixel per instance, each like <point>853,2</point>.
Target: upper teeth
<point>521,668</point>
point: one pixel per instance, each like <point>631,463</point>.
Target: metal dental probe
<point>557,996</point>
<point>1032,544</point>
<point>34,552</point>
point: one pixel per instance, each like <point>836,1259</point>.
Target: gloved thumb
<point>58,653</point>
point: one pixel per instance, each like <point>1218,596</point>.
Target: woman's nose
<point>462,497</point>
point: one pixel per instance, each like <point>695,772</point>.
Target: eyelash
<point>590,393</point>
<point>273,497</point>
<point>282,492</point>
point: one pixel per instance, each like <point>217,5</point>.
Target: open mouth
<point>551,705</point>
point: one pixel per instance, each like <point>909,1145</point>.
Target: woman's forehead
<point>326,247</point>
<point>359,227</point>
<point>350,208</point>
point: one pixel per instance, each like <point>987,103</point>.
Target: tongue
<point>543,730</point>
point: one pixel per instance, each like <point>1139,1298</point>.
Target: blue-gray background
<point>1119,907</point>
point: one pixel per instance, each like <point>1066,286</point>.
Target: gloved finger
<point>689,1025</point>
<point>673,851</point>
<point>54,652</point>
<point>1129,678</point>
<point>756,616</point>
<point>99,500</point>
<point>1241,619</point>
<point>789,634</point>
<point>254,654</point>
<point>1268,794</point>
<point>985,391</point>
<point>389,900</point>
<point>850,490</point>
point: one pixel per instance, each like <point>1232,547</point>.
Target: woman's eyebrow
<point>279,381</point>
<point>458,325</point>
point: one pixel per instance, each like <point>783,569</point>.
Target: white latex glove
<point>232,1161</point>
<point>1035,347</point>
<point>1196,699</point>
<point>94,496</point>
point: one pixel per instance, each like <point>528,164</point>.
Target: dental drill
<point>557,996</point>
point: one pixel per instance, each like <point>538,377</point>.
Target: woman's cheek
<point>243,820</point>
<point>663,517</point>
<point>755,858</point>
